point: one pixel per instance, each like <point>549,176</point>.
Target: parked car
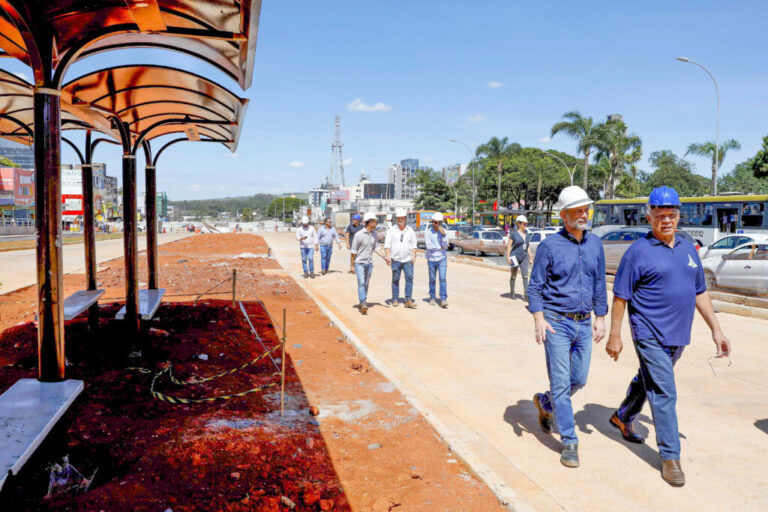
<point>450,232</point>
<point>536,238</point>
<point>729,243</point>
<point>482,242</point>
<point>616,243</point>
<point>743,269</point>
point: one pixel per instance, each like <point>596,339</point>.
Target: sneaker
<point>431,302</point>
<point>363,308</point>
<point>410,304</point>
<point>569,457</point>
<point>443,304</point>
<point>395,303</point>
<point>545,418</point>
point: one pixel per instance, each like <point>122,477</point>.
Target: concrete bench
<point>149,301</point>
<point>28,411</point>
<point>79,302</point>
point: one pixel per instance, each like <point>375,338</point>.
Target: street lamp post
<point>471,160</point>
<point>715,165</point>
<point>569,171</point>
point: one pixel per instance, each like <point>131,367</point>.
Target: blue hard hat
<point>356,216</point>
<point>664,196</point>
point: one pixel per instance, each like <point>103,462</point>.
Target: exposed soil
<point>366,450</point>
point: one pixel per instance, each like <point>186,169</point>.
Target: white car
<point>744,269</point>
<point>538,237</point>
<point>729,243</point>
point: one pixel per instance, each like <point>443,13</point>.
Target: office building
<point>21,155</point>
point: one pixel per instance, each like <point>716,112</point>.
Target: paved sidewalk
<point>475,367</point>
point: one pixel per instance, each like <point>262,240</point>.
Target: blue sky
<point>431,66</point>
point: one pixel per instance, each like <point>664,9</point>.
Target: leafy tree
<point>612,141</point>
<point>582,129</point>
<point>284,204</point>
<point>760,162</point>
<point>247,215</point>
<point>742,179</point>
<point>707,149</point>
<point>672,171</point>
<point>435,193</point>
<point>6,162</point>
<point>213,207</point>
<point>497,152</point>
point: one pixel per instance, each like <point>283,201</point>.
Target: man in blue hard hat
<point>661,278</point>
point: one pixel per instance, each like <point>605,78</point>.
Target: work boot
<point>395,303</point>
<point>363,307</point>
<point>672,473</point>
<point>325,272</point>
<point>626,429</point>
<point>312,275</point>
<point>431,302</point>
<point>410,304</point>
<point>569,457</point>
<point>444,304</point>
<point>306,275</point>
<point>545,418</point>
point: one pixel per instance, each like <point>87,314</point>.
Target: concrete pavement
<point>18,268</point>
<point>473,369</point>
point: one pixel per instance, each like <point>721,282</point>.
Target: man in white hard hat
<point>400,253</point>
<point>436,243</point>
<point>567,285</point>
<point>519,255</point>
<point>363,246</point>
<point>307,237</point>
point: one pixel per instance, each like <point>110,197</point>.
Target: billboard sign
<point>341,195</point>
<point>24,187</point>
<point>6,186</point>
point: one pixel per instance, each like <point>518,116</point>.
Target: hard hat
<point>664,197</point>
<point>573,197</point>
<point>400,212</point>
<point>521,218</point>
<point>304,220</point>
<point>356,216</point>
<point>369,216</point>
<point>437,217</point>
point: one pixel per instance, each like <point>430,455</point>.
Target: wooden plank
<point>149,301</point>
<point>28,411</point>
<point>79,302</point>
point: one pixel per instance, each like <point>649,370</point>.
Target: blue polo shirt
<point>660,283</point>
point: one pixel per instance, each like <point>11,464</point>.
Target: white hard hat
<point>400,212</point>
<point>573,197</point>
<point>437,217</point>
<point>521,218</point>
<point>305,220</point>
<point>369,216</point>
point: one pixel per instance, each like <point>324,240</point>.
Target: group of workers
<point>660,281</point>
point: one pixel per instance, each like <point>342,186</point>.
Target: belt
<point>576,317</point>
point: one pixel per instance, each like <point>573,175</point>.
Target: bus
<point>416,218</point>
<point>707,218</point>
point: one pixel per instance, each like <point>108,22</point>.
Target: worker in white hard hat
<point>400,253</point>
<point>436,243</point>
<point>307,237</point>
<point>364,244</point>
<point>567,286</point>
<point>519,255</point>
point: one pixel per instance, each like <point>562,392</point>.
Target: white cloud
<point>194,187</point>
<point>545,139</point>
<point>476,118</point>
<point>347,161</point>
<point>22,75</point>
<point>428,160</point>
<point>493,84</point>
<point>357,105</point>
<point>297,164</point>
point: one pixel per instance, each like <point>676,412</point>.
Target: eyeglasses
<point>401,237</point>
<point>711,367</point>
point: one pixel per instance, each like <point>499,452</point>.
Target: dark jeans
<point>325,257</point>
<point>397,268</point>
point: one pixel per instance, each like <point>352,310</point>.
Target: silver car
<point>616,243</point>
<point>729,243</point>
<point>744,269</point>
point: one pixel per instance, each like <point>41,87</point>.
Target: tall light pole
<point>569,171</point>
<point>472,159</point>
<point>715,165</point>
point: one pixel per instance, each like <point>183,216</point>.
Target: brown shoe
<point>672,473</point>
<point>626,430</point>
<point>443,304</point>
<point>410,304</point>
<point>364,308</point>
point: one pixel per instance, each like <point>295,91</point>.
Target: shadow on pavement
<point>524,419</point>
<point>762,425</point>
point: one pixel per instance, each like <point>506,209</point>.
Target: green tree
<point>742,179</point>
<point>672,171</point>
<point>612,141</point>
<point>6,162</point>
<point>582,129</point>
<point>707,149</point>
<point>247,215</point>
<point>760,162</point>
<point>275,209</point>
<point>497,152</point>
<point>434,192</point>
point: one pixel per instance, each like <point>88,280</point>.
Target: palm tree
<point>708,149</point>
<point>497,152</point>
<point>582,129</point>
<point>611,140</point>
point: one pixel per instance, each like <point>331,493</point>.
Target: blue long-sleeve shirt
<point>569,276</point>
<point>435,244</point>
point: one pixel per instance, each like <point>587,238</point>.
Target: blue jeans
<point>568,352</point>
<point>308,256</point>
<point>436,267</point>
<point>655,381</point>
<point>363,272</point>
<point>397,268</point>
<point>325,257</point>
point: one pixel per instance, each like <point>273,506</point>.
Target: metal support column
<point>50,279</point>
<point>151,195</point>
<point>89,237</point>
<point>130,245</point>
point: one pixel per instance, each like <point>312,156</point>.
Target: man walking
<point>661,278</point>
<point>400,253</point>
<point>350,232</point>
<point>307,238</point>
<point>567,285</point>
<point>325,237</point>
<point>436,242</point>
<point>363,245</point>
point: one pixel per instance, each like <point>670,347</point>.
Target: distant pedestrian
<point>326,236</point>
<point>519,255</point>
<point>350,232</point>
<point>436,243</point>
<point>307,238</point>
<point>661,278</point>
<point>400,253</point>
<point>567,284</point>
<point>364,244</point>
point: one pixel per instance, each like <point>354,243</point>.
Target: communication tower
<point>336,176</point>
